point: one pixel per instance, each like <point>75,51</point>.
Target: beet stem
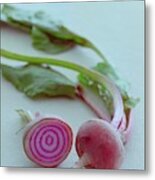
<point>26,116</point>
<point>82,162</point>
<point>127,131</point>
<point>123,123</point>
<point>80,95</point>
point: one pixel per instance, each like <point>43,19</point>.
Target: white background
<point>120,35</point>
<point>70,174</point>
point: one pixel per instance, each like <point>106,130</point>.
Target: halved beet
<point>48,142</point>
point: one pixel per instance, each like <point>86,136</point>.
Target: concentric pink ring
<point>39,151</point>
<point>53,155</point>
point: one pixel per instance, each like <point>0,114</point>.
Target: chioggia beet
<point>99,146</point>
<point>47,141</point>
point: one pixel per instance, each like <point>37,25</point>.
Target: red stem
<point>123,124</point>
<point>80,95</point>
<point>127,131</point>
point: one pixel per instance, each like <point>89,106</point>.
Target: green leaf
<point>38,81</point>
<point>107,70</point>
<point>41,26</point>
<point>41,41</point>
<point>15,18</point>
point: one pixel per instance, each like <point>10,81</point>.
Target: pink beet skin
<point>99,146</point>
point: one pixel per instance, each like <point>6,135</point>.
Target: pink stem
<point>123,123</point>
<point>99,114</point>
<point>128,129</point>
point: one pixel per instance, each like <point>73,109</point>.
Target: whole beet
<point>99,145</point>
